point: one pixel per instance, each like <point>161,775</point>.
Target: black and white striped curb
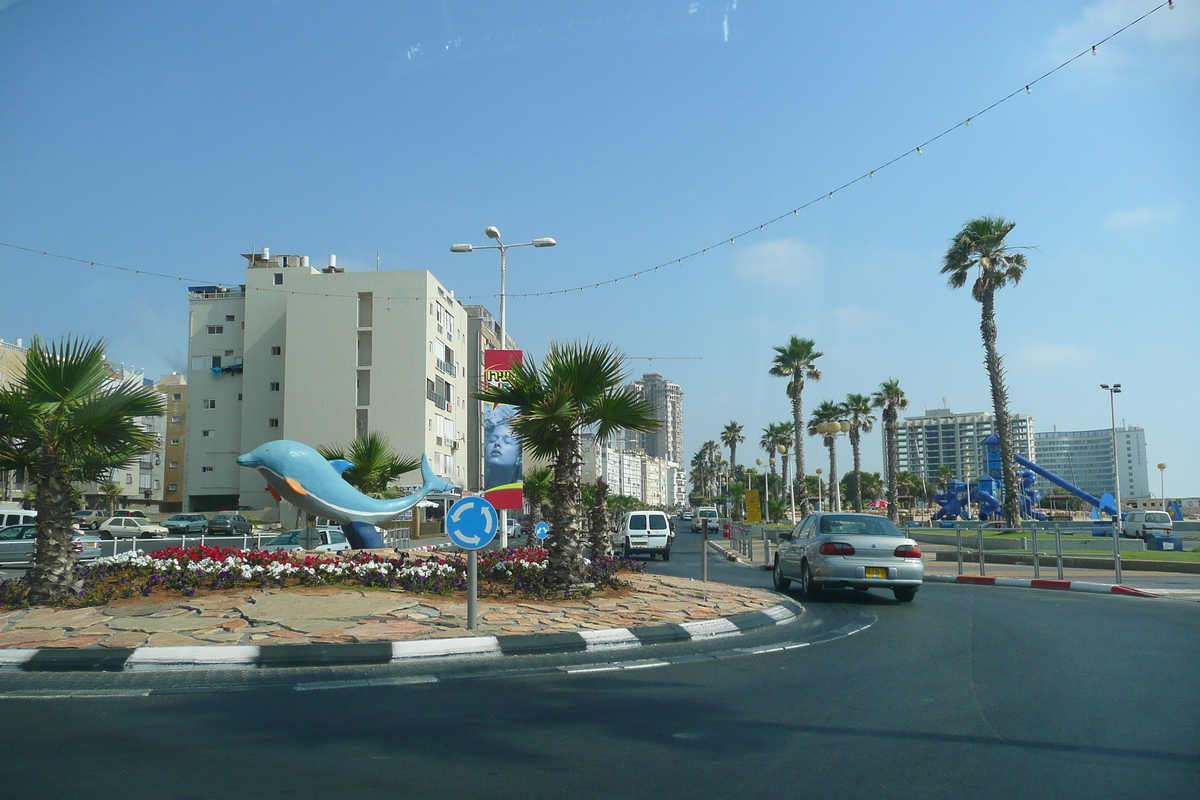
<point>380,653</point>
<point>725,551</point>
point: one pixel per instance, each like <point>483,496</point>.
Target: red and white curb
<point>725,551</point>
<point>1035,583</point>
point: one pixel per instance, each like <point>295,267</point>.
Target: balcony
<point>446,367</point>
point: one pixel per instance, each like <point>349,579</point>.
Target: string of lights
<point>918,150</point>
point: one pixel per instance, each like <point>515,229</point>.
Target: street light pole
<point>1113,391</point>
<point>1162,469</point>
<point>494,233</point>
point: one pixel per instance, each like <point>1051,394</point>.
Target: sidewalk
<point>323,615</point>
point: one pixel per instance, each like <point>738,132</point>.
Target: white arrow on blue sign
<point>472,523</point>
<point>541,530</point>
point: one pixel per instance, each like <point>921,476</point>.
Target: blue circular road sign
<point>541,530</point>
<point>472,523</point>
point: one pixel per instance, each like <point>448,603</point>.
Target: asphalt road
<point>966,692</point>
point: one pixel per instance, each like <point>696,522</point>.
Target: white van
<point>1139,523</point>
<point>644,532</point>
<point>706,513</point>
<point>17,516</point>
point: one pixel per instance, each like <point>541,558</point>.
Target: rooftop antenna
<point>377,261</point>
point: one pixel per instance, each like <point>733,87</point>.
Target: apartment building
<point>1085,458</point>
<point>940,437</point>
<point>12,366</point>
<point>174,389</point>
<point>320,356</point>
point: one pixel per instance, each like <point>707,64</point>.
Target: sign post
<point>753,506</point>
<point>472,524</point>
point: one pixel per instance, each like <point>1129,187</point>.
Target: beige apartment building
<point>320,356</point>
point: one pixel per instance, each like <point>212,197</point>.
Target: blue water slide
<point>993,443</point>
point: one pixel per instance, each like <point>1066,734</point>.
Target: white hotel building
<point>320,356</point>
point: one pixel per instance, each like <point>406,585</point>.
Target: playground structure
<point>988,492</point>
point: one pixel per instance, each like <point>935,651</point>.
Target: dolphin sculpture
<point>300,475</point>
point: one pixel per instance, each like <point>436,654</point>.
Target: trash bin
<point>1102,529</point>
<point>1163,541</point>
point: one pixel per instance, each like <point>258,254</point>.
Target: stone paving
<point>329,615</point>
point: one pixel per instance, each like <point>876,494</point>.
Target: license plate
<point>635,543</point>
<point>876,572</point>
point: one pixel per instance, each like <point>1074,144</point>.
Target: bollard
<point>1037,557</point>
<point>750,548</point>
<point>766,548</point>
<point>982,568</point>
<point>704,551</point>
<point>1058,549</point>
<point>958,535</point>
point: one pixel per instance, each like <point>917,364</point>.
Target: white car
<point>644,532</point>
<point>130,528</point>
<point>17,543</point>
<point>307,539</point>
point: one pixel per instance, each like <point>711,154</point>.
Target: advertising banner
<point>501,452</point>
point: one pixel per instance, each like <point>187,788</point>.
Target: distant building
<point>1085,458</point>
<point>12,366</point>
<point>174,389</point>
<point>320,356</point>
<point>940,437</point>
<point>666,400</point>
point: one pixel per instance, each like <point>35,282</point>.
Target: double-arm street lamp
<point>1113,391</point>
<point>494,233</point>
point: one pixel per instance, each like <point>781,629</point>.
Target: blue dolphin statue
<point>299,474</point>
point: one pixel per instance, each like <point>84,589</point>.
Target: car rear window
<point>846,525</point>
<point>637,522</point>
<point>658,522</point>
<point>1157,516</point>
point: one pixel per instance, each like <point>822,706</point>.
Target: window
<point>276,350</point>
<point>177,397</point>
<point>273,422</point>
<point>208,433</point>
<point>274,386</point>
<point>229,317</point>
<point>278,278</point>
<point>209,403</point>
<point>174,441</point>
<point>216,328</point>
<point>176,420</point>
<point>229,353</point>
<point>216,361</point>
<point>129,477</point>
<point>239,397</point>
<point>206,469</point>
<point>172,487</point>
<point>173,465</point>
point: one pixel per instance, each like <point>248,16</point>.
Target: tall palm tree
<point>944,475</point>
<point>731,436</point>
<point>890,397</point>
<point>578,386</point>
<point>375,464</point>
<point>599,543</point>
<point>535,487</point>
<point>111,492</point>
<point>771,438</point>
<point>66,420</point>
<point>787,438</point>
<point>829,411</point>
<point>979,249</point>
<point>858,408</point>
<point>796,360</point>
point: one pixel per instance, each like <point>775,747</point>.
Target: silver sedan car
<point>861,551</point>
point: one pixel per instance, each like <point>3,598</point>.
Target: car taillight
<point>78,546</point>
<point>837,549</point>
<point>907,551</point>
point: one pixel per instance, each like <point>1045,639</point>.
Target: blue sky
<point>172,136</point>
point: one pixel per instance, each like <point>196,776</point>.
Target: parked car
<point>861,551</point>
<point>17,516</point>
<point>229,524</point>
<point>183,524</point>
<point>644,532</point>
<point>686,515</point>
<point>1139,523</point>
<point>17,543</point>
<point>124,512</point>
<point>307,539</point>
<point>89,519</point>
<point>130,528</point>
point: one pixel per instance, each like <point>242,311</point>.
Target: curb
<point>1034,583</point>
<point>384,653</point>
<point>726,552</point>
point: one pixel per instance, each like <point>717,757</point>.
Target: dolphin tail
<point>430,482</point>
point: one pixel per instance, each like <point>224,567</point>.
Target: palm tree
<point>375,465</point>
<point>535,486</point>
<point>578,386</point>
<point>829,411</point>
<point>797,360</point>
<point>731,436</point>
<point>772,437</point>
<point>66,420</point>
<point>944,475</point>
<point>979,247</point>
<point>858,407</point>
<point>890,397</point>
<point>112,493</point>
<point>599,543</point>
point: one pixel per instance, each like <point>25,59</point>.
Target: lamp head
<point>461,248</point>
<point>547,242</point>
<point>493,232</point>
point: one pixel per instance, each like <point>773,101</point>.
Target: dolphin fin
<point>274,493</point>
<point>430,480</point>
<point>295,486</point>
<point>340,464</point>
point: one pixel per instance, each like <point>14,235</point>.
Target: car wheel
<point>95,526</point>
<point>781,583</point>
<point>905,594</point>
<point>666,555</point>
<point>808,587</point>
<point>106,536</point>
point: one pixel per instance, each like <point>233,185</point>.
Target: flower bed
<point>519,572</point>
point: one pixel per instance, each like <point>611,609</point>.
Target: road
<point>966,692</point>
